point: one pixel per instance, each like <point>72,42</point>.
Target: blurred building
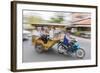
<point>81,23</point>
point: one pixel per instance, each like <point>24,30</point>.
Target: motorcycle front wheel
<point>80,53</point>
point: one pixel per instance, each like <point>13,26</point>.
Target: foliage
<point>77,33</point>
<point>58,18</point>
<point>33,19</point>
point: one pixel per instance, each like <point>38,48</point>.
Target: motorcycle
<point>73,48</point>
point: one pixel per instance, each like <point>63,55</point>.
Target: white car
<point>26,35</point>
<point>86,35</point>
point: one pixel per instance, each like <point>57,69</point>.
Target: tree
<point>58,18</point>
<point>34,19</point>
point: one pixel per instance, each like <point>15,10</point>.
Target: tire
<point>39,48</point>
<point>80,53</point>
<point>61,50</point>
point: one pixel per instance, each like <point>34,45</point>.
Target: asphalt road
<point>30,55</point>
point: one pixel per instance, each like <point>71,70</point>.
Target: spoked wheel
<point>39,48</point>
<point>61,50</point>
<point>80,53</point>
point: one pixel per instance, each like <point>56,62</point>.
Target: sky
<point>46,15</point>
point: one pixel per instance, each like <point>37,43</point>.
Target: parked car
<point>26,35</point>
<point>86,35</point>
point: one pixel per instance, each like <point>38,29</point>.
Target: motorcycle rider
<point>67,38</point>
<point>44,34</point>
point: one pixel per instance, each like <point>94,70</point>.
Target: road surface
<point>30,55</point>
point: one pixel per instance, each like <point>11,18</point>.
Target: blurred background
<point>77,24</point>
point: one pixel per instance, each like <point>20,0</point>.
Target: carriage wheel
<point>39,48</point>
